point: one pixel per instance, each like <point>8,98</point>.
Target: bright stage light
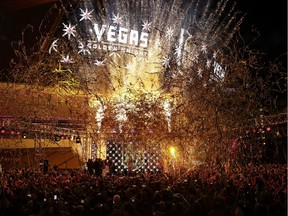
<point>268,129</point>
<point>78,139</point>
<point>24,135</point>
<point>172,151</point>
<point>57,138</point>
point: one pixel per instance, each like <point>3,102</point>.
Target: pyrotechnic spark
<point>196,30</point>
<point>193,34</point>
<point>167,106</point>
<point>100,116</point>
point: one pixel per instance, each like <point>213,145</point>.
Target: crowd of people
<point>101,167</point>
<point>257,190</point>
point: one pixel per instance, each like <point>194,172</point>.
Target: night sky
<point>270,18</point>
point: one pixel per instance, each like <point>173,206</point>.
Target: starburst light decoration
<point>85,15</point>
<point>69,30</point>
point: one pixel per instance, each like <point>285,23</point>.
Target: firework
<point>142,45</point>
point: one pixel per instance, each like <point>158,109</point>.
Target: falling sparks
<point>178,52</point>
<point>100,116</point>
<point>147,38</point>
<point>121,116</point>
<point>158,44</point>
<point>139,45</point>
<point>167,106</point>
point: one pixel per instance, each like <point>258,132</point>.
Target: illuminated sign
<point>121,39</point>
<point>123,35</point>
<point>114,38</point>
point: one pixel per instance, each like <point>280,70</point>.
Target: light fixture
<point>57,138</point>
<point>78,139</point>
<point>24,135</point>
<point>268,129</point>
